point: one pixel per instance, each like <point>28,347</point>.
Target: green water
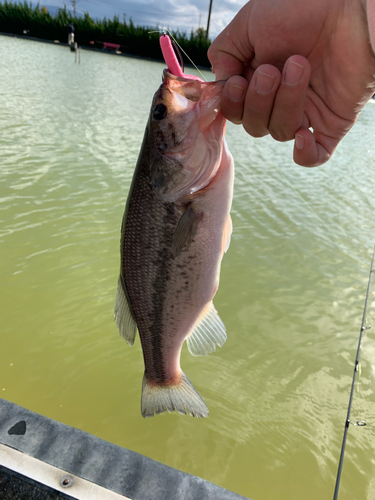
<point>291,294</point>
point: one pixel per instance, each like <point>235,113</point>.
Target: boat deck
<point>43,459</point>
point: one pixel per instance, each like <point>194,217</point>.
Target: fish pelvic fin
<point>208,332</point>
<point>181,397</point>
<point>123,316</point>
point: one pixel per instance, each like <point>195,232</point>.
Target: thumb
<point>229,52</point>
<point>313,149</point>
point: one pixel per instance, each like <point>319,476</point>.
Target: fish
<point>175,230</point>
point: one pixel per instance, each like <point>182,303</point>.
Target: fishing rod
<point>360,423</point>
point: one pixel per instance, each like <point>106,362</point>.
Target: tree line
<point>23,18</point>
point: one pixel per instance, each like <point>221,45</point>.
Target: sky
<point>184,15</point>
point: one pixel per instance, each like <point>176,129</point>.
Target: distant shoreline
<point>93,49</point>
<point>108,35</point>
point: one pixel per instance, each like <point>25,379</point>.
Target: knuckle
<point>231,112</point>
<point>281,134</point>
<point>255,131</point>
<point>211,53</point>
<point>285,121</point>
<point>286,106</point>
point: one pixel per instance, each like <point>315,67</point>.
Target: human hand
<point>270,89</point>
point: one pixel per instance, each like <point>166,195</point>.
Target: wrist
<point>371,22</point>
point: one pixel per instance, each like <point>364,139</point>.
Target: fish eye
<point>159,112</point>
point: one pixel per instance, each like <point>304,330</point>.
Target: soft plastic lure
<point>174,67</point>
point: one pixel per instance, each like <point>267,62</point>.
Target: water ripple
<point>291,295</point>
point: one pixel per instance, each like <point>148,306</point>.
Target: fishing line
<point>304,201</point>
<point>359,423</point>
<point>280,172</point>
<point>178,48</point>
<point>182,50</point>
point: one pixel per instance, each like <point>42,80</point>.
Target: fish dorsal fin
<point>208,332</point>
<point>124,318</point>
<point>186,230</point>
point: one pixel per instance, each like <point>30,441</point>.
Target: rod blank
<point>356,364</point>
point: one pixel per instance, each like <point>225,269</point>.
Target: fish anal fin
<point>157,398</point>
<point>124,318</point>
<point>208,332</point>
<point>186,230</point>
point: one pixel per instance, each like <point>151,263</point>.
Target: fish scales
<point>175,229</point>
<point>147,241</point>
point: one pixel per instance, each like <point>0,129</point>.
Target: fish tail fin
<point>181,397</point>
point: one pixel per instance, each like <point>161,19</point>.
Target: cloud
<point>173,14</point>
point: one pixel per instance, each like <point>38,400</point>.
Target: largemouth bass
<point>175,230</point>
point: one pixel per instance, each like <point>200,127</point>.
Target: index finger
<point>229,52</point>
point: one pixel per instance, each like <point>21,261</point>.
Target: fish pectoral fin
<point>124,318</point>
<point>207,333</point>
<point>186,230</point>
<point>157,398</point>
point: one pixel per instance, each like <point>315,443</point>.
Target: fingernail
<point>300,141</point>
<point>264,83</point>
<point>293,73</point>
<point>236,92</point>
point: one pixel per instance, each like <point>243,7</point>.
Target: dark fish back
<point>146,261</point>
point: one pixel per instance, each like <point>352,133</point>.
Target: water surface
<point>291,295</point>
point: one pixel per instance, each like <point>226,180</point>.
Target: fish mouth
<point>190,89</point>
<point>193,90</point>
